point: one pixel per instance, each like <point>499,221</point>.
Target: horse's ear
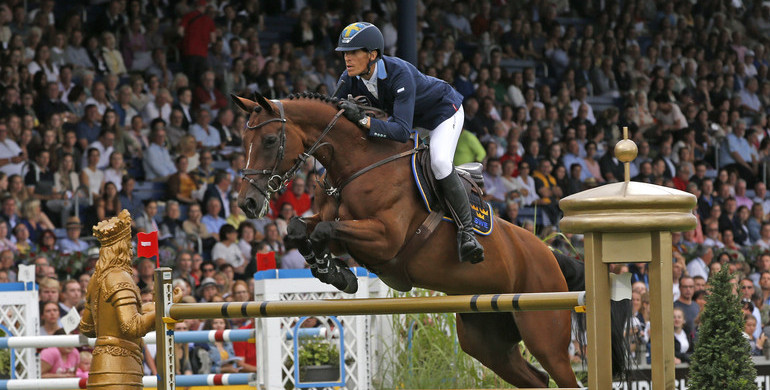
<point>243,103</point>
<point>263,102</point>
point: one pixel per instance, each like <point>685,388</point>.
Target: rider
<point>411,99</point>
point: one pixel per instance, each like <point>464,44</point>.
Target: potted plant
<point>319,361</point>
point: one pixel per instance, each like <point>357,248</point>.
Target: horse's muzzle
<point>254,209</point>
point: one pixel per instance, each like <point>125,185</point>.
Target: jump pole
<point>339,307</point>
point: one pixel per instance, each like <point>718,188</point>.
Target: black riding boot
<point>454,193</point>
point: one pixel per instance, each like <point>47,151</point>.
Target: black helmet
<point>361,35</point>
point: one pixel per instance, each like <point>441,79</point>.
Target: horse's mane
<point>361,101</point>
<point>315,96</point>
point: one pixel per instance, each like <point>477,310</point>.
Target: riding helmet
<point>361,35</point>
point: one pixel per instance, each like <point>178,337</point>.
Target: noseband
<point>277,182</point>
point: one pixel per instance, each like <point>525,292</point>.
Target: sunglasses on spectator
<point>208,269</point>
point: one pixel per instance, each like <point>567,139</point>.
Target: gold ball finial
<point>626,150</point>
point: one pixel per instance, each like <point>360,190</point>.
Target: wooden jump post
<point>628,222</point>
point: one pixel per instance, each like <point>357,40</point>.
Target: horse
<point>371,215</point>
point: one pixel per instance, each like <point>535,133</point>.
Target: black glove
<point>352,112</point>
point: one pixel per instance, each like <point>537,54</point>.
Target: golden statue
<point>113,312</point>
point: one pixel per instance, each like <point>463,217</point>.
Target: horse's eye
<point>270,141</point>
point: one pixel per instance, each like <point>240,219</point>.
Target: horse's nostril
<point>251,205</point>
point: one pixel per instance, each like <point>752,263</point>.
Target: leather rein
<point>277,182</point>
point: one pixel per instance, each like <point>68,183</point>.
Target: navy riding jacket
<point>411,98</point>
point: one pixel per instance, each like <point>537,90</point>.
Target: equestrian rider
<point>411,99</point>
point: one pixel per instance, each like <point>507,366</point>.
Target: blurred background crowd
<point>106,105</point>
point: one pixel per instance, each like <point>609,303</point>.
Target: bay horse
<point>372,216</point>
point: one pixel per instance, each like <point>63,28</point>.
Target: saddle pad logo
<point>482,222</point>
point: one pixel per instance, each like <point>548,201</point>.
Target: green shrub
<point>314,352</point>
<point>722,358</point>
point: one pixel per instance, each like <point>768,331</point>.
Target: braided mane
<point>314,96</point>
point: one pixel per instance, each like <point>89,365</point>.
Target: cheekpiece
<point>114,229</point>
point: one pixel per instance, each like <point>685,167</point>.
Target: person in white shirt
<point>157,160</point>
<point>11,155</point>
<point>699,266</point>
<point>760,192</point>
<point>528,183</point>
<point>76,54</point>
<point>580,98</point>
<point>227,251</point>
<point>105,147</point>
<point>146,222</point>
<point>750,102</point>
<point>669,115</point>
<point>99,97</point>
<point>764,236</point>
<point>159,108</point>
<point>712,236</point>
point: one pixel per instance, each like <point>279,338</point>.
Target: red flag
<point>265,261</point>
<point>148,246</point>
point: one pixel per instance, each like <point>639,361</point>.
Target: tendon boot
<point>297,236</point>
<point>454,194</point>
<point>335,272</point>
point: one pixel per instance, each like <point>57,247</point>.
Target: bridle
<point>277,182</point>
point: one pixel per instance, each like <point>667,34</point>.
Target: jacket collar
<point>382,73</point>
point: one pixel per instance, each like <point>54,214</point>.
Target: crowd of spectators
<point>121,104</point>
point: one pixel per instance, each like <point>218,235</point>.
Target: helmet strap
<point>369,66</point>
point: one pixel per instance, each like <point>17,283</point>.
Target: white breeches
<point>443,142</point>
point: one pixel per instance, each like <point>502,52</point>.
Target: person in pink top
<point>59,362</point>
<point>85,365</point>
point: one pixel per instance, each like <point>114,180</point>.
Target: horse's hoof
<point>352,282</point>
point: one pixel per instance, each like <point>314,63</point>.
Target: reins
<point>336,192</point>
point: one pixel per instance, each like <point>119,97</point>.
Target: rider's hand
<point>352,112</point>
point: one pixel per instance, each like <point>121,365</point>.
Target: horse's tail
<point>574,273</point>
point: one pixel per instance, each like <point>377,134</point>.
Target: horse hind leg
<point>493,340</point>
<point>547,335</point>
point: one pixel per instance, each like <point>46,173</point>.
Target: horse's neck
<point>349,148</point>
<point>353,151</point>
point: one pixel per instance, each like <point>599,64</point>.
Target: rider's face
<point>357,60</point>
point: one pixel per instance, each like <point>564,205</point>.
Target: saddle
<point>473,181</point>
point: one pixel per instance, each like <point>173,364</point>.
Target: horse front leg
<point>316,253</point>
<point>370,234</point>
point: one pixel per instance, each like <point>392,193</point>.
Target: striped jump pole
<point>148,382</point>
<point>193,336</point>
<point>483,303</point>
